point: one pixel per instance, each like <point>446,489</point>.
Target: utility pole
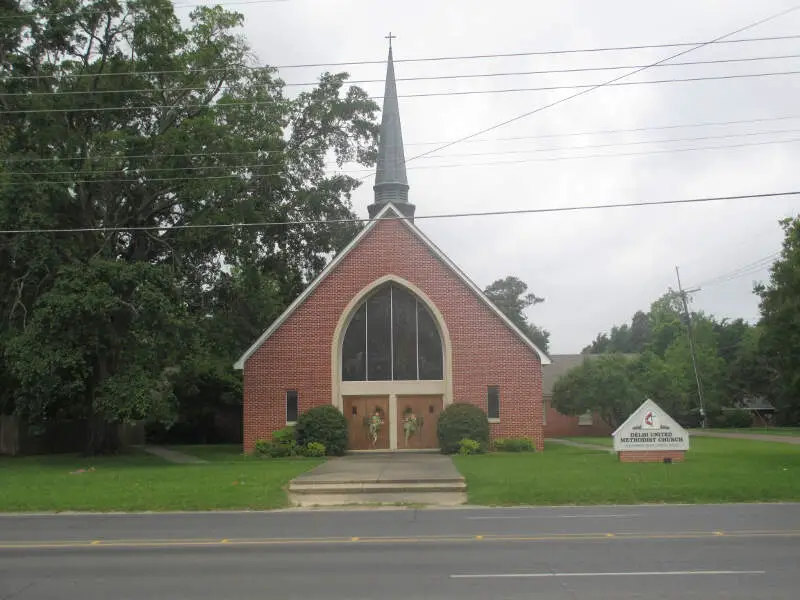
<point>691,347</point>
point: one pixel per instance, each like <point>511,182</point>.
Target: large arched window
<point>392,336</point>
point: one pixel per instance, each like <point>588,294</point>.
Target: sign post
<point>650,435</point>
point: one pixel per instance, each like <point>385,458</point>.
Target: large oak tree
<point>145,134</point>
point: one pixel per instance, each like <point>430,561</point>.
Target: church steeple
<point>391,183</point>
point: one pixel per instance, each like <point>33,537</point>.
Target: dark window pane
<point>430,345</point>
<point>354,348</point>
<point>379,340</point>
<point>404,330</point>
<point>291,406</point>
<point>493,411</point>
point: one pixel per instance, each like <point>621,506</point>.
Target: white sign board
<point>650,428</point>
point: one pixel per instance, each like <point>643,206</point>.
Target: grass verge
<point>597,441</point>
<point>781,431</point>
<point>139,482</point>
<point>715,471</point>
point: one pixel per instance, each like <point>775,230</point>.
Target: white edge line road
<point>623,574</point>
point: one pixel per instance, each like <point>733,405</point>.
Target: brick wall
<point>561,425</point>
<point>485,351</point>
<point>650,456</point>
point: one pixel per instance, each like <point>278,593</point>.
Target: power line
<point>27,94</point>
<point>589,132</point>
<point>425,59</point>
<point>615,144</point>
<point>138,170</point>
<point>585,87</point>
<point>143,179</point>
<point>612,131</point>
<point>593,86</point>
<point>600,85</point>
<point>741,271</point>
<point>555,209</point>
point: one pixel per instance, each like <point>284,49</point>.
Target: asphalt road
<point>625,552</point>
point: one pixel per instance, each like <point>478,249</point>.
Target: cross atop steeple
<point>390,37</point>
<point>391,183</point>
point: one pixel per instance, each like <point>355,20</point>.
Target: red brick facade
<point>485,350</point>
<point>629,456</point>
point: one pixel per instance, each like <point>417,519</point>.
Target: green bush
<point>285,435</point>
<point>468,446</point>
<point>263,447</point>
<point>518,444</point>
<point>459,421</point>
<point>325,425</point>
<point>267,449</point>
<point>737,418</point>
<point>313,450</point>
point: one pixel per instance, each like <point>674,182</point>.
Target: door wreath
<point>374,423</point>
<point>411,423</point>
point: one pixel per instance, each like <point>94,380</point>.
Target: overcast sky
<point>595,268</point>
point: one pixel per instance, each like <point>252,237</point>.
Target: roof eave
<point>240,364</point>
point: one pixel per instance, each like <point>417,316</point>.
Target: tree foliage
<point>780,326</point>
<point>600,384</point>
<point>511,296</point>
<point>660,367</point>
<point>144,134</point>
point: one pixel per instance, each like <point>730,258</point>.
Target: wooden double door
<point>423,409</point>
<point>426,409</point>
<point>358,410</point>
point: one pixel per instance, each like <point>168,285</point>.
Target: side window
<point>291,406</point>
<point>493,404</point>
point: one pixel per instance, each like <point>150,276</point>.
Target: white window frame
<point>586,419</point>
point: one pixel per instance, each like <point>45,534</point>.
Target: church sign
<point>650,435</point>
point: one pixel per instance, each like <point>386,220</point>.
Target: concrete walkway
<point>173,456</point>
<point>760,437</point>
<point>581,445</point>
<point>381,478</point>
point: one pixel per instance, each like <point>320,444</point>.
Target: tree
<point>601,384</point>
<point>146,134</point>
<point>511,296</point>
<point>780,325</point>
<point>626,339</point>
<point>710,366</point>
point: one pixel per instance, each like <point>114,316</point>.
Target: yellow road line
<point>613,537</point>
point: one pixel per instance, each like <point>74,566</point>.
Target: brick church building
<point>392,326</point>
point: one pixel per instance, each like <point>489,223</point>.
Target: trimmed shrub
<point>262,447</point>
<point>313,450</point>
<point>468,446</point>
<point>325,425</point>
<point>518,444</point>
<point>267,449</point>
<point>459,421</point>
<point>285,435</point>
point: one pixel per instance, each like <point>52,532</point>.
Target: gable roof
<point>239,364</point>
<point>563,363</point>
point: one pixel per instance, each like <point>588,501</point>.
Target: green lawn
<point>137,481</point>
<point>216,452</point>
<point>716,470</point>
<point>785,431</point>
<point>597,441</point>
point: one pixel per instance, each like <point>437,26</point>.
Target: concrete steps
<point>427,480</point>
